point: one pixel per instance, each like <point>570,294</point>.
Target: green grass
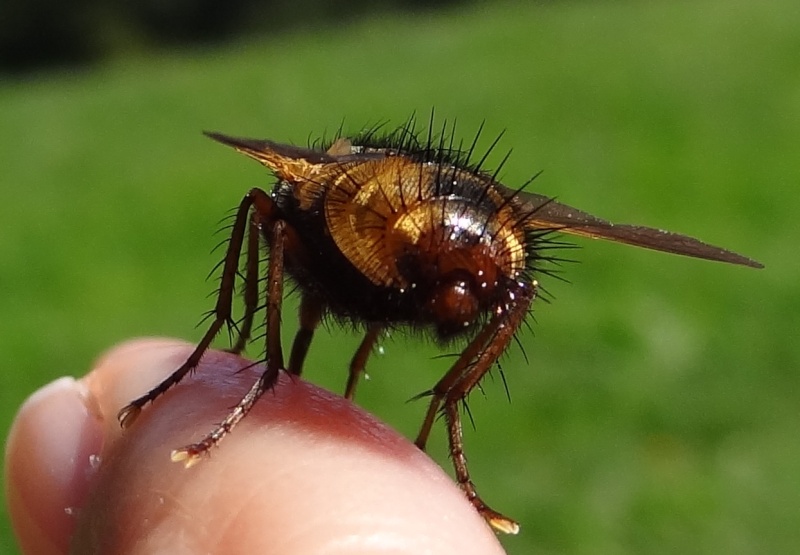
<point>659,412</point>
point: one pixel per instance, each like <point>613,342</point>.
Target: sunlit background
<point>659,411</point>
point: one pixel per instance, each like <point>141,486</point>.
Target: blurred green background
<point>660,410</point>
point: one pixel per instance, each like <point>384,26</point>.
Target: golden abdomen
<point>406,226</point>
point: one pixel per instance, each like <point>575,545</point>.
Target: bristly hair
<point>422,143</point>
<point>436,144</point>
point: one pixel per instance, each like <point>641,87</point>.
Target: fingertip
<point>51,454</point>
<point>55,443</point>
<point>306,471</point>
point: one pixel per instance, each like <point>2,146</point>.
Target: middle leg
<point>359,360</point>
<point>311,310</point>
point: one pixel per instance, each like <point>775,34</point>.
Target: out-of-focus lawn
<point>660,411</point>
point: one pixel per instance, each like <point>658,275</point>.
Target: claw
<point>502,524</point>
<point>189,456</point>
<point>128,415</point>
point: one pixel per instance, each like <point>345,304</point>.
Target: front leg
<point>262,204</point>
<point>250,293</point>
<point>191,454</point>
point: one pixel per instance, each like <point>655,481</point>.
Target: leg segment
<point>310,317</point>
<point>359,361</point>
<point>496,520</point>
<point>448,381</point>
<point>261,202</point>
<point>250,284</point>
<point>466,373</point>
<point>192,453</point>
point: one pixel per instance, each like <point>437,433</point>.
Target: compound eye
<point>454,306</point>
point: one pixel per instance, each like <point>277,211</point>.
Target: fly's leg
<point>274,363</point>
<point>449,380</point>
<point>466,373</point>
<point>250,294</point>
<point>359,360</point>
<point>310,317</point>
<point>261,202</point>
<point>311,310</point>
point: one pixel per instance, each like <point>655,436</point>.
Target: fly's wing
<point>271,153</point>
<point>544,212</point>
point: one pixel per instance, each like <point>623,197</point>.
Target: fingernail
<point>51,454</point>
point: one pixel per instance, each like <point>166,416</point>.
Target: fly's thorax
<point>304,192</point>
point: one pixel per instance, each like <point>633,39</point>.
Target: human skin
<point>306,472</point>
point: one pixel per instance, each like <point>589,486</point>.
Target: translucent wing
<point>544,212</point>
